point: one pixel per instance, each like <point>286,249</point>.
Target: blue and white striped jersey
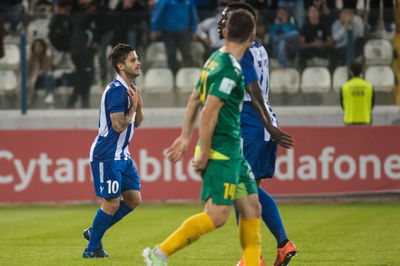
<point>255,67</point>
<point>110,145</point>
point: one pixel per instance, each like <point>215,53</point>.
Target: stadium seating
<point>158,80</point>
<point>197,53</point>
<point>381,77</point>
<point>378,52</point>
<point>8,81</point>
<point>285,80</point>
<point>186,78</point>
<point>340,77</point>
<point>156,55</point>
<point>318,61</point>
<point>38,28</point>
<point>139,81</point>
<point>315,79</point>
<point>11,59</point>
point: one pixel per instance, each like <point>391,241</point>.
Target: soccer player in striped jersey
<point>260,134</point>
<point>113,170</point>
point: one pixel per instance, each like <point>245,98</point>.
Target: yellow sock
<point>190,230</point>
<point>250,240</point>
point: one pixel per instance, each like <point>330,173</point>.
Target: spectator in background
<point>388,14</point>
<point>357,98</point>
<point>42,7</point>
<point>106,22</point>
<point>326,16</point>
<point>13,12</point>
<point>295,9</point>
<point>40,72</point>
<point>348,34</point>
<point>2,35</point>
<point>315,39</point>
<point>207,32</point>
<point>206,8</point>
<point>83,45</point>
<point>131,14</point>
<point>284,37</point>
<point>61,26</point>
<point>176,21</point>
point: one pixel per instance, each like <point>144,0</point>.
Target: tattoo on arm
<point>118,121</point>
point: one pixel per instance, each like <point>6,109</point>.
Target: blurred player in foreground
<point>227,178</point>
<point>113,170</point>
<point>259,132</point>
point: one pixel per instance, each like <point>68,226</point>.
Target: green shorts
<point>227,180</point>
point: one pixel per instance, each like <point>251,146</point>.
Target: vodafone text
<point>342,166</point>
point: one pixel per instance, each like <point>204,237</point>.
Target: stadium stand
<point>381,77</point>
<point>8,81</point>
<point>315,79</point>
<point>38,28</point>
<point>11,59</point>
<point>158,80</point>
<point>186,79</point>
<point>378,52</point>
<point>158,88</point>
<point>197,52</point>
<point>340,76</point>
<point>156,55</point>
<point>285,80</point>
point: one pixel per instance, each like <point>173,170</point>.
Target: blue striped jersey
<point>110,145</point>
<point>255,67</point>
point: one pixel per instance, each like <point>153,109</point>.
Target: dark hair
<point>119,54</point>
<point>356,69</point>
<point>240,25</point>
<point>42,42</point>
<point>227,11</point>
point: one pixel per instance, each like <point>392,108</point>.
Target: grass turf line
<point>325,234</point>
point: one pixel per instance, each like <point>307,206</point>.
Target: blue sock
<point>99,227</point>
<point>121,212</point>
<point>270,215</point>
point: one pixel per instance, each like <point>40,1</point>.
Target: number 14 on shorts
<point>229,190</point>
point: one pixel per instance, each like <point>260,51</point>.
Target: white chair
<point>139,81</point>
<point>315,79</point>
<point>8,80</point>
<point>378,52</point>
<point>156,55</point>
<point>158,80</point>
<point>381,77</point>
<point>38,29</point>
<point>12,57</point>
<point>340,77</point>
<point>197,52</point>
<point>187,78</point>
<point>285,80</point>
<point>318,61</point>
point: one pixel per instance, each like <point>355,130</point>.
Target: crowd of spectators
<point>293,31</point>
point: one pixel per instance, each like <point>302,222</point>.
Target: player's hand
<point>133,97</point>
<point>176,151</point>
<point>139,98</point>
<point>200,163</point>
<point>283,139</point>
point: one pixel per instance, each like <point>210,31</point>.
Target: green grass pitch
<point>325,234</point>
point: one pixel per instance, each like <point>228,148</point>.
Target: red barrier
<point>52,165</point>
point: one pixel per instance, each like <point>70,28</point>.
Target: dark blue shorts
<point>110,178</point>
<point>261,156</point>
